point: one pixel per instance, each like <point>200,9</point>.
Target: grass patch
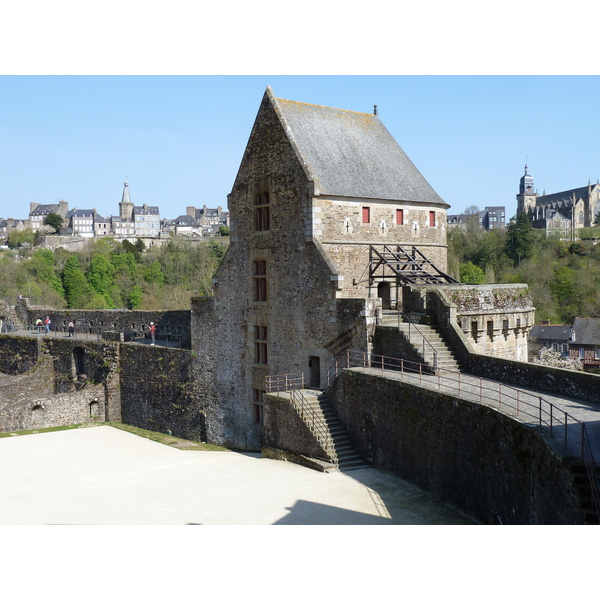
<point>169,440</point>
<point>155,436</point>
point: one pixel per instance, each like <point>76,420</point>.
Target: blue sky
<point>178,140</point>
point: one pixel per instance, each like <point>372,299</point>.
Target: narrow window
<point>399,216</point>
<point>260,345</point>
<point>432,218</point>
<point>582,353</point>
<point>262,216</point>
<point>257,406</point>
<point>260,281</point>
<point>366,214</point>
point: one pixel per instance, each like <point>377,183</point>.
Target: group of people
<point>71,328</point>
<point>47,322</point>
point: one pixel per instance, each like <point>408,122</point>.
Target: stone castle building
<point>329,218</point>
<point>561,213</point>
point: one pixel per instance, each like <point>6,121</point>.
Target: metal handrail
<point>413,325</point>
<point>512,401</point>
<point>293,383</point>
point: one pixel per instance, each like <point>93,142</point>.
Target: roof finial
<point>375,109</point>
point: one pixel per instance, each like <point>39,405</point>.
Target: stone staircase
<point>341,451</point>
<point>425,340</point>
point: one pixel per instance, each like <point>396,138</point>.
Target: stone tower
<point>526,198</point>
<point>126,205</point>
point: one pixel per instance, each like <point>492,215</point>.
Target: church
<point>561,213</point>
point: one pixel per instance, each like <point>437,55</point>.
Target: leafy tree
<point>470,273</point>
<point>132,249</point>
<point>54,220</point>
<point>154,273</point>
<point>224,230</point>
<point>42,266</point>
<point>135,296</point>
<point>77,289</point>
<point>100,277</point>
<point>17,238</point>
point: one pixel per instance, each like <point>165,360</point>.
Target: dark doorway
<point>314,363</point>
<point>79,361</point>
<point>384,291</point>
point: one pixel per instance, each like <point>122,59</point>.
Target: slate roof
<point>351,154</point>
<point>565,196</point>
<point>185,220</point>
<point>44,209</point>
<point>556,333</point>
<point>81,213</point>
<point>586,332</point>
<point>145,210</point>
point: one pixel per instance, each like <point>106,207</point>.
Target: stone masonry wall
<point>467,454</point>
<point>495,319</point>
<point>28,400</point>
<point>158,393</point>
<point>65,380</point>
<point>173,322</point>
<point>285,430</point>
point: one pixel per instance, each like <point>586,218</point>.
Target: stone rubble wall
<point>467,454</point>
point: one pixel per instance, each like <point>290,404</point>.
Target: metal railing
<point>412,326</point>
<point>567,431</point>
<point>293,383</point>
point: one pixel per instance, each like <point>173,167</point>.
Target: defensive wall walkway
<point>558,417</point>
<point>164,340</point>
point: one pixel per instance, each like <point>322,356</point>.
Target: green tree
<point>520,238</point>
<point>41,265</point>
<point>54,220</point>
<point>77,289</point>
<point>470,273</point>
<point>18,238</point>
<point>154,273</point>
<point>135,296</point>
<point>100,277</point>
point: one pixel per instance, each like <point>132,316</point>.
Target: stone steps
<point>341,450</point>
<point>433,343</point>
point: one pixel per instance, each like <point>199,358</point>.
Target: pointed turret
<point>126,205</point>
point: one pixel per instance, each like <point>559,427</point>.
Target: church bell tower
<point>526,196</point>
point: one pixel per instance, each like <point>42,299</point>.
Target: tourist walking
<point>152,332</point>
<point>71,327</point>
<point>47,323</point>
